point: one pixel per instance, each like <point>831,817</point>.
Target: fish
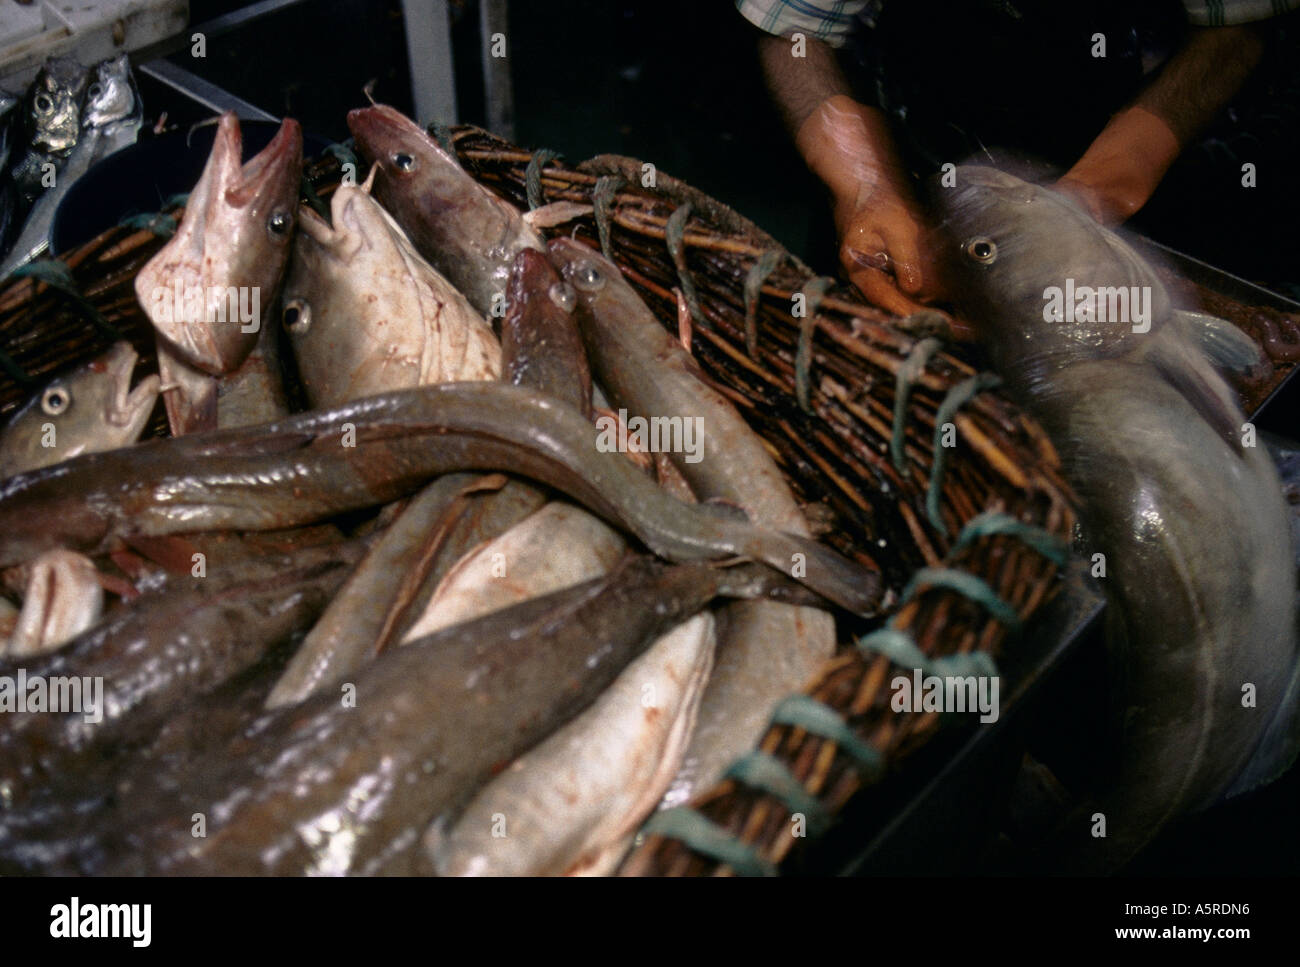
<point>110,120</point>
<point>766,650</point>
<point>51,125</point>
<point>366,314</point>
<point>1200,589</point>
<point>467,233</point>
<point>332,787</point>
<point>570,805</point>
<point>64,597</point>
<point>169,646</point>
<point>10,131</point>
<point>212,287</point>
<point>557,547</point>
<point>317,464</point>
<point>539,334</point>
<point>91,409</point>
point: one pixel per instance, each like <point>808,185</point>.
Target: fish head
<point>586,270</point>
<point>533,273</point>
<point>93,408</point>
<point>409,160</point>
<point>1019,251</point>
<point>111,95</point>
<point>54,105</point>
<point>234,238</point>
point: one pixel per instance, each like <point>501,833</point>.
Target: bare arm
<point>1121,169</point>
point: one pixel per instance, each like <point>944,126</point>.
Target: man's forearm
<point>1205,73</point>
<point>799,84</point>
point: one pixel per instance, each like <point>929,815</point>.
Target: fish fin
<point>1196,381</point>
<point>556,213</point>
<point>1226,346</point>
<point>726,509</point>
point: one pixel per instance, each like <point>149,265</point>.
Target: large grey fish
<point>110,120</point>
<point>317,464</point>
<point>366,314</point>
<point>1200,581</point>
<point>167,647</point>
<point>93,408</point>
<point>209,290</point>
<point>467,233</point>
<point>346,782</point>
<point>539,334</point>
<point>766,650</point>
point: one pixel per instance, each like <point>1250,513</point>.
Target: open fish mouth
<point>264,176</point>
<point>126,406</point>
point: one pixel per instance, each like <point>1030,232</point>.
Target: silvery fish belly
<point>1185,508</point>
<point>366,314</point>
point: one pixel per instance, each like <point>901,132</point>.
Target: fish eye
<point>94,92</point>
<point>55,400</point>
<point>404,161</point>
<point>297,316</point>
<point>278,224</point>
<point>982,250</point>
<point>43,103</point>
<point>588,277</point>
<point>562,294</point>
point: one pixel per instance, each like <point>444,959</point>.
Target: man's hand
<point>883,238</point>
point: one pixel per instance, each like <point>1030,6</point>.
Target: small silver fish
<point>54,106</point>
<point>91,409</point>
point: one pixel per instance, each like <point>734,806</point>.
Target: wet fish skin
<point>366,314</point>
<point>328,789</point>
<point>1200,588</point>
<point>766,650</point>
<point>164,649</point>
<point>299,470</point>
<point>91,409</point>
<point>54,104</point>
<point>539,334</point>
<point>234,236</point>
<point>468,234</point>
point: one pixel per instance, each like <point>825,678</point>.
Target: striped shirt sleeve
<point>830,21</point>
<point>1224,13</point>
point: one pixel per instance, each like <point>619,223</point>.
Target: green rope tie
<point>758,273</point>
<point>967,585</point>
<point>316,202</point>
<point>908,374</point>
<point>164,226</point>
<point>442,134</point>
<point>675,234</point>
<point>813,293</point>
<point>767,774</point>
<point>705,837</point>
<point>533,176</point>
<point>991,522</point>
<point>607,186</point>
<point>817,718</point>
<point>56,274</point>
<point>899,648</point>
<point>342,150</point>
<point>956,398</point>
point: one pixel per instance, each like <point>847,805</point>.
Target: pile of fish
<point>69,119</point>
<point>438,621</point>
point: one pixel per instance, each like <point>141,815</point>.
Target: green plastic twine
<point>967,585</point>
<point>607,186</point>
<point>991,522</point>
<point>705,837</point>
<point>533,176</point>
<point>817,718</point>
<point>767,774</point>
<point>908,374</point>
<point>899,648</point>
<point>346,156</point>
<point>164,226</point>
<point>675,234</point>
<point>56,274</point>
<point>813,293</point>
<point>758,273</point>
<point>956,398</point>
